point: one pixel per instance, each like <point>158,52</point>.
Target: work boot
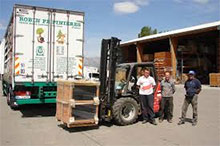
<point>181,122</point>
<point>160,120</point>
<point>153,122</point>
<point>194,122</point>
<point>170,120</point>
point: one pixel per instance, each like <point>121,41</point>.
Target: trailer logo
<point>60,37</point>
<point>46,22</point>
<point>39,31</point>
<point>40,51</point>
<point>60,50</point>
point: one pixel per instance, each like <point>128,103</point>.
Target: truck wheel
<point>12,102</point>
<point>3,89</point>
<point>4,94</point>
<point>125,111</point>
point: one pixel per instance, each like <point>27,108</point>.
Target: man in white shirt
<point>146,85</point>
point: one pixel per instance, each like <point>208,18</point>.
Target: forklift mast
<point>108,62</point>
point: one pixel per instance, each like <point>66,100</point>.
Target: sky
<point>124,18</point>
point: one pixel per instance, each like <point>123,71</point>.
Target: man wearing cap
<point>193,88</point>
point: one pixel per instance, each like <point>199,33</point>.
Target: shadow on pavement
<point>83,129</point>
<point>78,129</point>
<point>187,120</point>
<point>107,124</point>
<point>38,110</point>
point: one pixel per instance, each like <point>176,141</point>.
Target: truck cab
<point>91,73</point>
<point>127,75</point>
<point>94,76</point>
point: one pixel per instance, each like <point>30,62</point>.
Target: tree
<point>59,34</point>
<point>147,30</point>
<point>40,31</point>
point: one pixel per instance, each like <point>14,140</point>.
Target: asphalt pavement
<point>36,125</point>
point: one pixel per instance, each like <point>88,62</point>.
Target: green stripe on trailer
<point>35,101</point>
<point>38,84</point>
<point>50,93</point>
<point>44,92</point>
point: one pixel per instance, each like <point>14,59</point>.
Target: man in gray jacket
<point>167,90</point>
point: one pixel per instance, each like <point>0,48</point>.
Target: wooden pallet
<point>214,79</point>
<point>77,103</point>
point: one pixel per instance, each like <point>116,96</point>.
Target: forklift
<point>119,99</point>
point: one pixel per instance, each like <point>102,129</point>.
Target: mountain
<point>92,61</point>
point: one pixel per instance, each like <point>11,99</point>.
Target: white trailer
<point>2,47</point>
<point>42,45</point>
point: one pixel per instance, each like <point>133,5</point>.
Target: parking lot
<point>36,125</point>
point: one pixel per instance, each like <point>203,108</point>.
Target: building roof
<point>173,33</point>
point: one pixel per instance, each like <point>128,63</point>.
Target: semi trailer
<point>41,46</point>
<point>2,43</point>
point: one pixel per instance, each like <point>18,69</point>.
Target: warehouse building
<point>178,51</point>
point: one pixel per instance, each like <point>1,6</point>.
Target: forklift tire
<point>125,111</point>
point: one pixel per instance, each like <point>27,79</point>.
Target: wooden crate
<point>77,103</point>
<point>160,71</point>
<point>214,79</point>
<point>162,62</point>
<point>162,55</point>
<point>218,54</point>
<point>148,57</point>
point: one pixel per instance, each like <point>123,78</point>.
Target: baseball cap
<point>191,72</point>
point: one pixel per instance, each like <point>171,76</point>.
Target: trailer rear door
<point>48,44</point>
<point>67,48</point>
<point>32,44</point>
